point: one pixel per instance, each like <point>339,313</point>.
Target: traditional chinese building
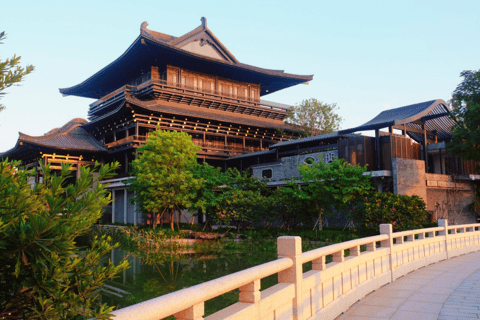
<point>191,83</point>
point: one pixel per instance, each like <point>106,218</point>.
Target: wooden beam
<point>410,129</point>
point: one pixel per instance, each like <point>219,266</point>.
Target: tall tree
<point>43,273</point>
<point>330,186</point>
<point>466,114</point>
<point>313,117</point>
<point>164,183</point>
<point>10,71</point>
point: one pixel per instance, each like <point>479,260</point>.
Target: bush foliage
<point>43,274</point>
<point>403,212</point>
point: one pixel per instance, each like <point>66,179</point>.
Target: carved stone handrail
<point>358,267</point>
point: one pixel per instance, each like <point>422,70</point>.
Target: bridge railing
<point>341,274</point>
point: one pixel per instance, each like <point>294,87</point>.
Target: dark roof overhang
<point>434,114</point>
<point>70,138</point>
<point>145,52</point>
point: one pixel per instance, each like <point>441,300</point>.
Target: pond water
<point>157,272</point>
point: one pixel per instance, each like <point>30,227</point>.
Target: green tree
<point>10,71</point>
<point>313,117</point>
<point>164,182</point>
<point>466,114</point>
<point>289,207</point>
<point>231,197</point>
<point>43,274</point>
<point>209,198</point>
<point>325,187</point>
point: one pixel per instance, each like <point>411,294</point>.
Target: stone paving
<point>446,290</point>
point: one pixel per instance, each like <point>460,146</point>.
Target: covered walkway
<point>449,289</point>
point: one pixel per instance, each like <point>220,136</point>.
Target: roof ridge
<point>63,130</point>
<point>159,35</point>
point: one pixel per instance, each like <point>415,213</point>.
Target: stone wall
<point>287,167</point>
<point>444,196</point>
<point>409,177</point>
<point>450,199</point>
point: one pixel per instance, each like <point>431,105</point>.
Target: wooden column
<point>78,170</point>
<point>136,128</point>
<point>126,163</point>
<point>390,130</point>
<point>377,148</point>
<point>114,136</point>
<point>440,156</point>
<point>425,153</point>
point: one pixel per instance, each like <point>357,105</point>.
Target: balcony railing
<point>206,146</point>
<point>157,86</point>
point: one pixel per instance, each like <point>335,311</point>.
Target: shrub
<point>403,212</point>
<point>43,274</point>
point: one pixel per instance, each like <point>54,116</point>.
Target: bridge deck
<point>446,290</point>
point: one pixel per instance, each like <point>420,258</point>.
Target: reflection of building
<point>191,83</point>
<point>411,158</point>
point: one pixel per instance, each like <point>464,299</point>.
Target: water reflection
<point>155,272</point>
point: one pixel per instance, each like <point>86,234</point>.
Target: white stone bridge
<point>330,289</point>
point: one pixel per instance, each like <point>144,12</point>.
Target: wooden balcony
<point>183,94</point>
<point>130,140</point>
<point>209,148</point>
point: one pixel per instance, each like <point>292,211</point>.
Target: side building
<point>191,83</point>
<point>407,154</point>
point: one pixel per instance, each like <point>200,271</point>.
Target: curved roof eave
<point>424,113</point>
<point>412,113</point>
<point>140,47</point>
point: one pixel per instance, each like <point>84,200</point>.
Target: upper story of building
<point>191,83</point>
<point>195,69</point>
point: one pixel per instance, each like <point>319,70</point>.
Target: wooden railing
<point>133,138</point>
<point>227,149</point>
<point>358,267</point>
<point>280,110</point>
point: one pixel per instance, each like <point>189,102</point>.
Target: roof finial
<point>204,21</point>
<point>143,29</point>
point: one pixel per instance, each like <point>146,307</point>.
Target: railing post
<point>195,312</point>
<point>387,229</point>
<point>250,293</point>
<point>444,223</point>
<point>291,247</point>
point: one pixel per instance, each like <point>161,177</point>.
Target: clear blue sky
<point>366,56</point>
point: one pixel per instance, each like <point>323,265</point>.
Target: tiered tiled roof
<point>152,48</point>
<point>70,137</point>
